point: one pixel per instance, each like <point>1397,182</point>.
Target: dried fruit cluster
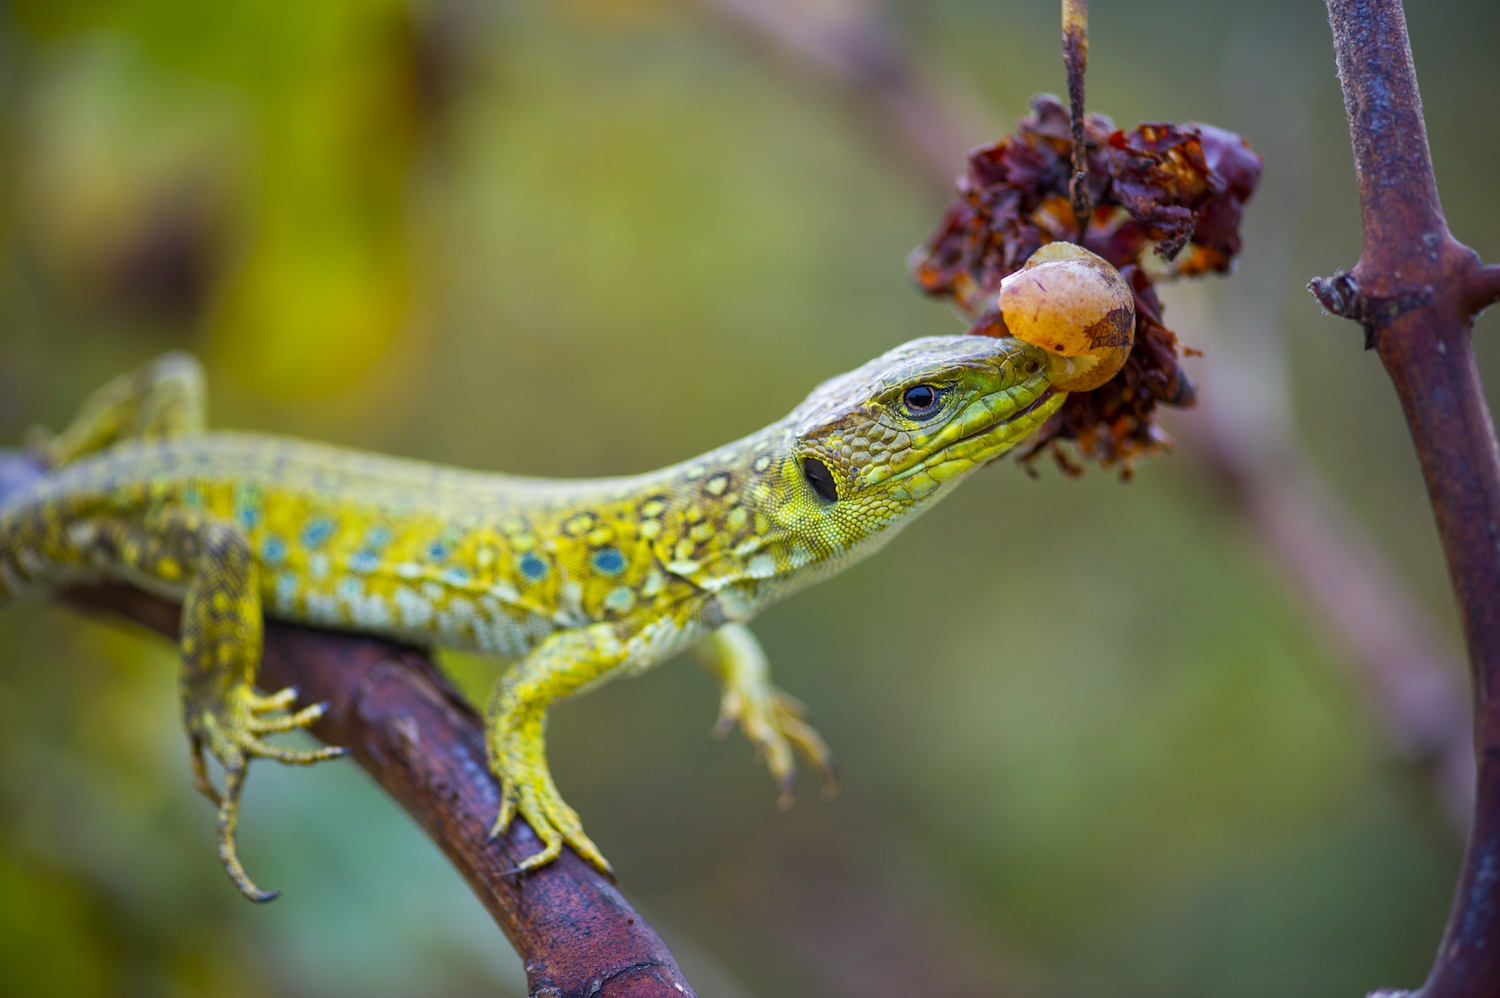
<point>1167,200</point>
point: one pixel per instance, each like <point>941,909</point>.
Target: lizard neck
<point>742,524</point>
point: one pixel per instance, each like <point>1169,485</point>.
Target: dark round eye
<point>920,400</point>
<point>820,478</point>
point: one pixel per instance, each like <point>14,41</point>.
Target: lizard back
<point>422,552</point>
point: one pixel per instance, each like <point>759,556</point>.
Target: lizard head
<point>875,445</point>
<point>859,458</point>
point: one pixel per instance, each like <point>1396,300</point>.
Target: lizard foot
<point>518,758</point>
<point>776,723</point>
<point>233,735</point>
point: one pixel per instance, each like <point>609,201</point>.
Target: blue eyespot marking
<point>456,577</point>
<point>609,561</point>
<point>533,567</point>
<point>317,531</point>
<point>377,537</point>
<point>364,561</point>
<point>247,507</point>
<point>273,550</point>
<point>438,551</point>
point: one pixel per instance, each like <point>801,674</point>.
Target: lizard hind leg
<point>162,399</point>
<point>774,722</point>
<point>221,648</point>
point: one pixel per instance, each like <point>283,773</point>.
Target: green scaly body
<point>578,580</point>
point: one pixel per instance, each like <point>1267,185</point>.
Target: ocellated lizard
<point>580,581</point>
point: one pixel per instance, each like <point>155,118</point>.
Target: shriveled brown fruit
<point>1168,200</point>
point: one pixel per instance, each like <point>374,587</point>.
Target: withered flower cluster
<point>1167,202</point>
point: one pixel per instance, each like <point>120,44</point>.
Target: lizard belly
<point>414,613</point>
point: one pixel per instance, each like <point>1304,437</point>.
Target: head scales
<point>888,462</point>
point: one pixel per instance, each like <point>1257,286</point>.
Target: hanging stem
<point>1075,25</point>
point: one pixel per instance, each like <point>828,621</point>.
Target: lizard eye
<point>921,401</point>
<point>820,478</point>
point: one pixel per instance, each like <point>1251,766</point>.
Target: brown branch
<point>411,731</point>
<point>1414,290</point>
<point>1313,537</point>
<point>1075,40</point>
<point>1483,288</point>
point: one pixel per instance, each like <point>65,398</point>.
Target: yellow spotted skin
<point>578,580</point>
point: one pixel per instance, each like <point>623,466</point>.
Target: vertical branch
<point>1415,291</point>
<point>1075,28</point>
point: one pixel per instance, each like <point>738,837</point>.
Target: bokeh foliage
<point>1092,743</point>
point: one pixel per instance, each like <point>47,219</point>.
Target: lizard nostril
<point>820,478</point>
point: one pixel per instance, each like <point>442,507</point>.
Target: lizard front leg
<point>564,663</point>
<point>774,722</point>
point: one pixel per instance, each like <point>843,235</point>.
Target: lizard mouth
<point>1019,416</point>
<point>1036,404</point>
<point>1040,401</point>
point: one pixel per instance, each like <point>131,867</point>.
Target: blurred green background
<point>1094,742</point>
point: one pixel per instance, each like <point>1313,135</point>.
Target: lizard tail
<point>38,549</point>
<point>14,579</point>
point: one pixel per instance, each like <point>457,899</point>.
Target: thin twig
<point>1075,40</point>
<point>1414,292</point>
<point>419,739</point>
<point>1483,288</point>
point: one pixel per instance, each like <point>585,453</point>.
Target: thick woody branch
<point>1415,290</point>
<point>419,739</point>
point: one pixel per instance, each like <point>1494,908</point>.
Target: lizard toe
<point>280,700</point>
<point>304,718</point>
<point>228,824</point>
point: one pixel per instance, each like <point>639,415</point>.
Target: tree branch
<point>419,739</point>
<point>1414,290</point>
